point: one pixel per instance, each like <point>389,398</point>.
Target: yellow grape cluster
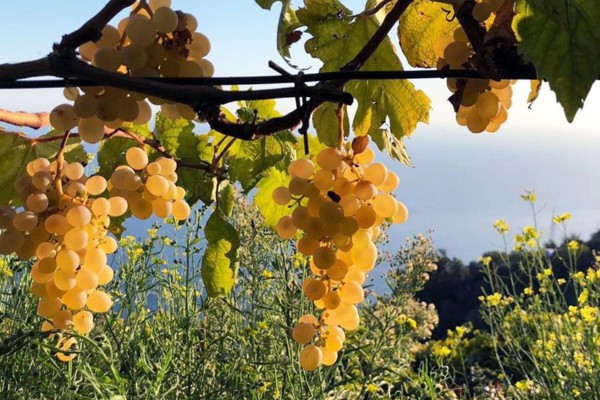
<point>64,226</point>
<point>484,103</point>
<point>149,187</point>
<point>160,43</point>
<point>339,206</point>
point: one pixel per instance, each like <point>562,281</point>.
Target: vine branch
<point>21,118</point>
<point>125,134</point>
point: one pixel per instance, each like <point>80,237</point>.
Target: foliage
<point>162,340</point>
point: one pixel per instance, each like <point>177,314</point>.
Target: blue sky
<point>461,182</point>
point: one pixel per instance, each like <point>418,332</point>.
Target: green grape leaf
<point>265,109</point>
<point>218,269</point>
<point>263,199</point>
<point>560,37</point>
<point>248,162</point>
<point>111,153</point>
<point>336,41</point>
<point>421,25</point>
<point>286,30</point>
<point>179,140</point>
<point>219,262</point>
<point>16,150</point>
<point>227,200</point>
<point>218,227</point>
<point>327,126</point>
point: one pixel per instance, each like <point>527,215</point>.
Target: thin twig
<point>125,134</point>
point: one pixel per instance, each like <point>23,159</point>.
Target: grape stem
<point>60,162</point>
<point>340,112</point>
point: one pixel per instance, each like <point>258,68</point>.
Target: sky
<point>460,183</point>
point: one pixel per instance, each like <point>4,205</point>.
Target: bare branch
<point>21,118</point>
<point>92,29</point>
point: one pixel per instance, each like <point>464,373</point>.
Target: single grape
<point>181,210</point>
<point>165,20</point>
<point>99,301</point>
<point>137,158</point>
<point>352,292</point>
<point>83,322</point>
<point>48,306</point>
<point>329,158</point>
<point>79,216</point>
<point>303,332</point>
<point>63,117</point>
<point>281,196</point>
<point>311,357</point>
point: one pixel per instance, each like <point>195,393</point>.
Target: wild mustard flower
<point>529,196</point>
<point>501,226</point>
<point>559,219</point>
<point>589,313</point>
<point>528,291</point>
<point>583,297</point>
<point>486,261</point>
<point>573,245</point>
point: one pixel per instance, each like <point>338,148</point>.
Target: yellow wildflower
<point>486,261</point>
<point>412,323</point>
<point>528,291</point>
<point>558,219</point>
<point>561,281</point>
<point>267,274</point>
<point>443,351</point>
<point>573,245</point>
<point>529,196</point>
<point>168,242</point>
<point>548,272</point>
<point>501,226</point>
<point>589,313</point>
<point>583,297</point>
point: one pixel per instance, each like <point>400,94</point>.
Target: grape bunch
<point>339,206</point>
<point>64,226</point>
<point>158,42</point>
<point>484,103</point>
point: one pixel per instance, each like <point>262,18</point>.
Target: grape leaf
<point>218,270</point>
<point>272,179</point>
<point>219,262</point>
<point>421,25</point>
<point>252,158</point>
<point>111,153</point>
<point>336,41</point>
<point>178,138</point>
<point>560,37</point>
<point>227,200</point>
<point>16,150</point>
<point>327,126</point>
<point>288,23</point>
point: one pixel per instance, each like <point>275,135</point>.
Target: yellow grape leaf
<point>421,25</point>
